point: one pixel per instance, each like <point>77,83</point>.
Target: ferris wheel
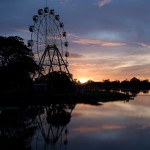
<point>49,42</point>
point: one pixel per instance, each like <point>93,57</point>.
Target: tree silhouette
<point>16,63</point>
<point>57,81</point>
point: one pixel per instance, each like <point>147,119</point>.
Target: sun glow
<point>83,80</point>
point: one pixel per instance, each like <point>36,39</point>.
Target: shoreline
<point>55,97</point>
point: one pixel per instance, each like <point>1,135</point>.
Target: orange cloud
<point>112,127</point>
<point>101,128</point>
<point>113,44</point>
<point>98,42</point>
<point>87,129</point>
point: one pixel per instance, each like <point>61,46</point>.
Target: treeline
<point>133,84</point>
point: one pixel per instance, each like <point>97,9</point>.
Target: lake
<point>119,125</point>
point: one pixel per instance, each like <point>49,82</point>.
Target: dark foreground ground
<point>94,98</point>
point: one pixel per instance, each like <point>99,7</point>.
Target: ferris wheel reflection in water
<point>52,129</point>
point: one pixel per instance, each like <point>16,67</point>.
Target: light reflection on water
<point>116,125</point>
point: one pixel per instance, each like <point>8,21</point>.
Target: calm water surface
<point>113,125</point>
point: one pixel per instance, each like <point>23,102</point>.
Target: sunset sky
<point>108,39</point>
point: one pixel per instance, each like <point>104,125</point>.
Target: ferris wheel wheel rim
<point>57,25</point>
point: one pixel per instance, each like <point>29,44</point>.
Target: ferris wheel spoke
<point>50,32</point>
<point>39,35</point>
<point>46,37</point>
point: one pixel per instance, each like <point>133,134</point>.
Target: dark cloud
<point>75,55</point>
<point>129,19</point>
